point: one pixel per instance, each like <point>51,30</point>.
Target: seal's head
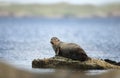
<point>54,41</point>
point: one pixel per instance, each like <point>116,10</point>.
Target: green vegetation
<point>59,10</point>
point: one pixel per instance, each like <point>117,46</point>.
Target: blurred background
<point>26,27</point>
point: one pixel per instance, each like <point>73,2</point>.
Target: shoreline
<point>53,17</point>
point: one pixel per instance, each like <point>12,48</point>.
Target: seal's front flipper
<point>57,52</point>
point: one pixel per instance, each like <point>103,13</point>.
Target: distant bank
<point>60,10</point>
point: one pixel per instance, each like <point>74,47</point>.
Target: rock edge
<point>66,63</point>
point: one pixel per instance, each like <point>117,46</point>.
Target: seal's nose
<point>51,42</point>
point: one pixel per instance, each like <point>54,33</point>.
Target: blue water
<point>25,39</point>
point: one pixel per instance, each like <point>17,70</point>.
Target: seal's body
<point>69,50</point>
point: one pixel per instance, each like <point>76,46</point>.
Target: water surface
<point>24,39</point>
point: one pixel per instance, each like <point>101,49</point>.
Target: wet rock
<point>66,63</point>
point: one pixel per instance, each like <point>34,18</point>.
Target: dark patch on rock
<point>112,62</point>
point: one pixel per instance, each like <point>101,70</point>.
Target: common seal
<point>69,50</point>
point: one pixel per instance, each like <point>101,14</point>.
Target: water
<point>25,39</point>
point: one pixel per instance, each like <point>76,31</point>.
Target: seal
<point>68,50</point>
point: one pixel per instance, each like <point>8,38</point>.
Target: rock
<point>112,62</point>
<point>118,63</point>
<point>66,63</point>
